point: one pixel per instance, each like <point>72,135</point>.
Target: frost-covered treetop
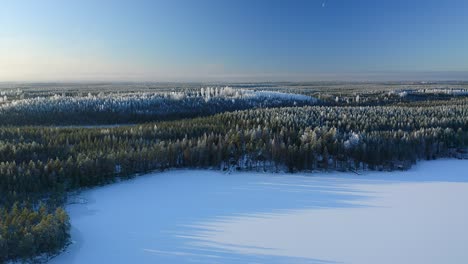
<point>119,101</point>
<point>207,100</point>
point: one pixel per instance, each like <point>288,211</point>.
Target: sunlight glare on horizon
<point>208,40</point>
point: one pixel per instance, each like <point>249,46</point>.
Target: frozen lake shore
<point>187,216</point>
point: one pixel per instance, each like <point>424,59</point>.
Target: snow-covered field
<point>195,216</point>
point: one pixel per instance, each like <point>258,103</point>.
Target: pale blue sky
<point>209,40</point>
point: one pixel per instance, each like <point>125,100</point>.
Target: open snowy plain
<point>200,216</point>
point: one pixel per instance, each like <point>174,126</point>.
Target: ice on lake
<point>199,216</point>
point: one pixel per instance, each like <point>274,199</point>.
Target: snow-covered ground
<point>194,216</point>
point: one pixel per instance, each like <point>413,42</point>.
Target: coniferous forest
<point>52,143</point>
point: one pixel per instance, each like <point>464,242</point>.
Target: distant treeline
<point>138,107</point>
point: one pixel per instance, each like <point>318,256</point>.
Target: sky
<point>226,40</point>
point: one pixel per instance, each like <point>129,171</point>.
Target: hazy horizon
<point>233,41</point>
<point>275,78</point>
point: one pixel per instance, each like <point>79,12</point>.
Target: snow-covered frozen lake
<point>197,216</point>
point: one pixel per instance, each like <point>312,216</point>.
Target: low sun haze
<point>241,40</point>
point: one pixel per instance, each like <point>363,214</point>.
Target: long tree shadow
<point>169,217</point>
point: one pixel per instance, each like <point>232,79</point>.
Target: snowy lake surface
<point>199,216</point>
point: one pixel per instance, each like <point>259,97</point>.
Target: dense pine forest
<point>263,127</point>
<point>136,107</point>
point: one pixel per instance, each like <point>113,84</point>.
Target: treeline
<point>39,159</point>
<point>116,108</point>
<point>26,233</point>
<point>45,163</point>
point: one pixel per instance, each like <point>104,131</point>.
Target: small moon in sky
<point>323,4</point>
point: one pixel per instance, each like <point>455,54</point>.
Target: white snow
<point>277,95</point>
<point>143,101</point>
<point>186,216</point>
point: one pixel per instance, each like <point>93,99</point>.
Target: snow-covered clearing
<point>196,216</point>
